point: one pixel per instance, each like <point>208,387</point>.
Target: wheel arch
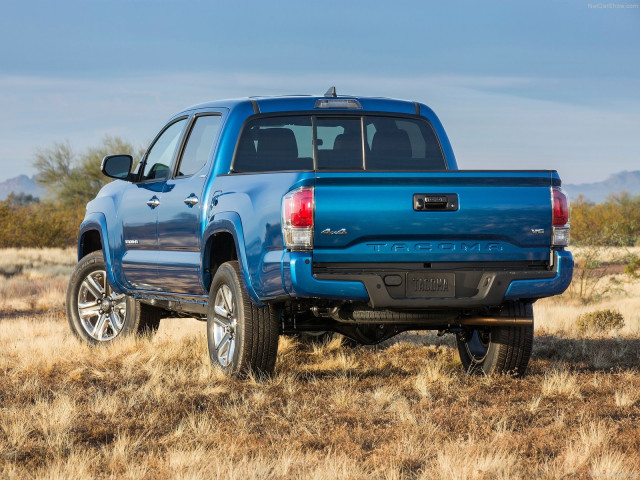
<point>92,237</point>
<point>88,242</point>
<point>223,241</point>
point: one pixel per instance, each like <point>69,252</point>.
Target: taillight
<point>560,208</point>
<point>297,219</point>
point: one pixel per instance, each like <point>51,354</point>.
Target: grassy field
<point>156,408</point>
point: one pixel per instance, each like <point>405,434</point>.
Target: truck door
<point>181,218</point>
<point>141,203</point>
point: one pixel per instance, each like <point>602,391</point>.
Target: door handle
<point>214,200</point>
<point>191,200</point>
<point>444,202</point>
<point>153,202</point>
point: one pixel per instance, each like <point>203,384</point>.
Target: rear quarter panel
<point>257,198</point>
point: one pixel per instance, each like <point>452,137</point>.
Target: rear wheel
<point>488,350</point>
<point>96,313</point>
<point>242,338</point>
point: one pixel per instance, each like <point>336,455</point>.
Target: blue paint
<point>299,281</point>
<point>546,287</point>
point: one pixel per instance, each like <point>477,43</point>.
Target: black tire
<point>496,350</point>
<point>150,317</point>
<point>98,315</point>
<point>242,338</point>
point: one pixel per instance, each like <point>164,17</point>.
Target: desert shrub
<point>588,273</point>
<point>615,222</point>
<point>600,321</point>
<point>10,270</point>
<point>21,199</point>
<point>39,225</point>
<point>632,266</point>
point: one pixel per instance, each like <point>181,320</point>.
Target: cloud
<point>490,122</point>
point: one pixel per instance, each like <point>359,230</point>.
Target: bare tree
<point>72,178</point>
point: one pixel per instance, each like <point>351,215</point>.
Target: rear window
<point>275,144</point>
<point>304,142</point>
<point>339,142</point>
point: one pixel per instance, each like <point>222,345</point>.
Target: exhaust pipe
<point>494,322</point>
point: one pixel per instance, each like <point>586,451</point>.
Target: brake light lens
<point>297,219</point>
<point>560,207</point>
<point>347,103</point>
<point>298,208</point>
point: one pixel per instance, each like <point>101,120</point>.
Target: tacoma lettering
<point>430,285</point>
<point>431,247</point>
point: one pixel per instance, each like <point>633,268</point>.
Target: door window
<point>159,158</point>
<point>199,145</point>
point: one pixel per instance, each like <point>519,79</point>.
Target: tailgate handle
<point>431,202</point>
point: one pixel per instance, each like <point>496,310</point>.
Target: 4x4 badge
<point>328,231</point>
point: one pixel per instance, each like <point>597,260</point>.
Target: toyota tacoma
<point>307,214</point>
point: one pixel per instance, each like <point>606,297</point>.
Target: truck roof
<point>288,103</point>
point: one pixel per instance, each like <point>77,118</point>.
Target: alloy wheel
<point>102,312</point>
<point>477,344</point>
<point>224,325</point>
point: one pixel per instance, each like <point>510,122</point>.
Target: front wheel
<point>242,338</point>
<point>96,313</point>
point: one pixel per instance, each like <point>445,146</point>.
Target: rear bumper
<point>563,269</point>
<point>299,281</point>
<point>477,288</point>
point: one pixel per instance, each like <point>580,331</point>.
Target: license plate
<point>431,285</point>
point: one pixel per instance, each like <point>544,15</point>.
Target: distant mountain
<point>20,184</point>
<point>597,192</point>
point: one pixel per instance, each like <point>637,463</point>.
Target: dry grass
<point>559,315</point>
<point>34,280</point>
<point>156,408</point>
<point>620,292</point>
<point>615,255</point>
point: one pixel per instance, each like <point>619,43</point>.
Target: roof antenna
<point>331,92</point>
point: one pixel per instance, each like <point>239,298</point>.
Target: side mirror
<point>117,166</point>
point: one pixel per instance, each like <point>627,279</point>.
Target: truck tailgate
<point>460,216</point>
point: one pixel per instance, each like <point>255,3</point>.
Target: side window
<point>159,158</point>
<point>199,144</point>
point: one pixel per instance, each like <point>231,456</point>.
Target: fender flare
<point>230,222</point>
<point>97,221</point>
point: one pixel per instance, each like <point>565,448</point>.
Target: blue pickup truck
<point>306,215</point>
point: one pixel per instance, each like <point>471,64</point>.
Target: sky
<point>517,84</point>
